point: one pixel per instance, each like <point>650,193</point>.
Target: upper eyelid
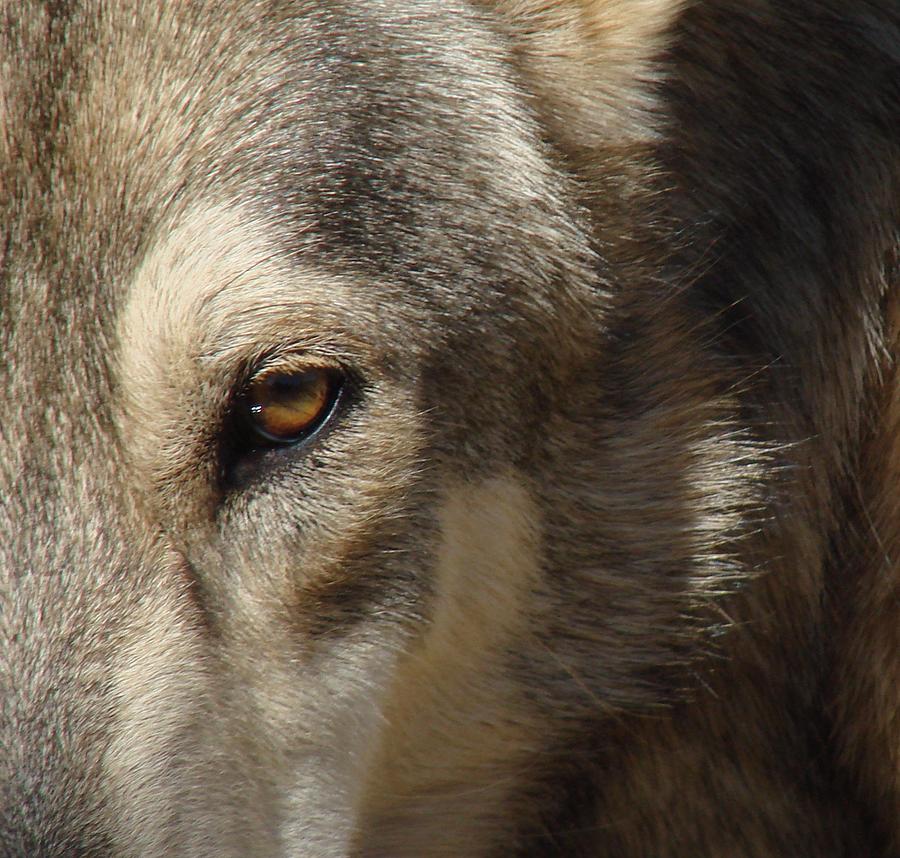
<point>281,362</point>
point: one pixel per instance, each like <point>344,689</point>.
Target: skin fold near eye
<point>284,407</point>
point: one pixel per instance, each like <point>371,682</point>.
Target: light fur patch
<point>590,62</point>
<point>453,719</point>
<point>487,565</point>
<point>175,313</point>
<point>214,295</point>
<point>168,784</point>
<point>239,751</point>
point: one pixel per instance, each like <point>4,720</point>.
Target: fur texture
<point>597,552</point>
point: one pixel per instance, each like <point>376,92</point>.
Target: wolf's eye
<point>285,407</point>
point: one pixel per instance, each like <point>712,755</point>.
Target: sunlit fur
<point>597,554</point>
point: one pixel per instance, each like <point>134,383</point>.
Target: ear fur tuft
<point>591,64</point>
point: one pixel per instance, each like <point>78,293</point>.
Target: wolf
<point>461,428</point>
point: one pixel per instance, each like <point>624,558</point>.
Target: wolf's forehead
<point>378,144</point>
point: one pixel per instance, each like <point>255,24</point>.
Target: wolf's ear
<point>591,64</point>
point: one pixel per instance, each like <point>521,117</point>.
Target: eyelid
<point>282,362</point>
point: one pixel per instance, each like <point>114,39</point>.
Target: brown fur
<point>598,554</point>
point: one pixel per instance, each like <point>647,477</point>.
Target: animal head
<point>357,453</point>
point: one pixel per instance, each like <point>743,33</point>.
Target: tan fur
<point>429,760</point>
<point>589,63</point>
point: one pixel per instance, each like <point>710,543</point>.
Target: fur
<point>597,554</point>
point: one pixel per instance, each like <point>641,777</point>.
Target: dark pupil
<point>287,387</point>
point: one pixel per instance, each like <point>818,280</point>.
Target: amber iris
<point>286,407</point>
